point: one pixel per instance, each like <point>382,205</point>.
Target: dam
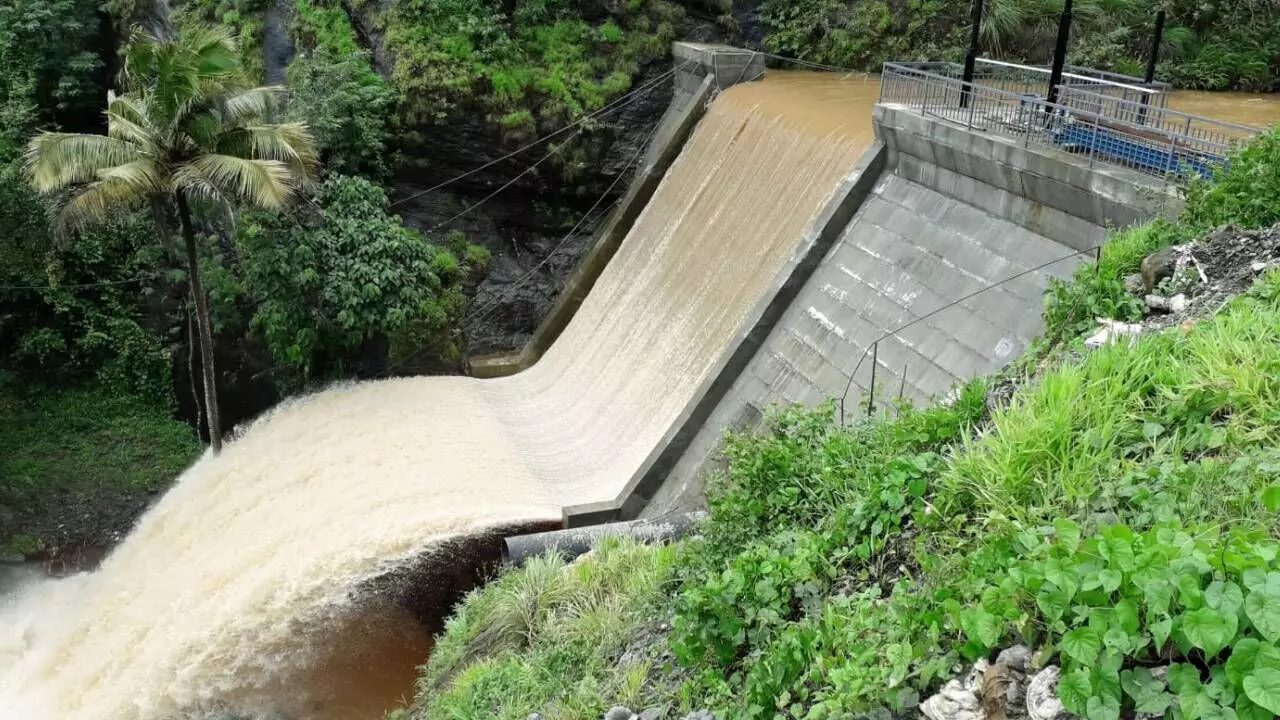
<point>777,229</point>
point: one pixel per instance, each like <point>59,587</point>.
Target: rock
<point>1258,267</point>
<point>1042,696</point>
<point>700,715</point>
<point>1134,284</point>
<point>534,716</point>
<point>651,714</point>
<point>1004,690</point>
<point>1157,267</point>
<point>1175,304</point>
<point>958,698</point>
<point>1015,657</point>
<point>618,712</point>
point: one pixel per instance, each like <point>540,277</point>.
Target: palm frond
<point>97,202</point>
<point>253,104</point>
<point>58,160</point>
<point>290,143</point>
<point>266,184</point>
<point>143,175</point>
<point>128,119</point>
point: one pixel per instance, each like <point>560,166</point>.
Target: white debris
<point>1112,330</point>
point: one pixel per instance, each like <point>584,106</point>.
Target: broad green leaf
<point>1241,662</point>
<point>1074,690</point>
<point>1189,592</point>
<point>1254,579</point>
<point>1225,597</point>
<point>1117,639</point>
<point>1263,688</point>
<point>1262,607</point>
<point>1209,629</point>
<point>1220,687</point>
<point>1127,616</point>
<point>1160,630</point>
<point>1110,579</point>
<point>1068,534</point>
<point>1246,709</point>
<point>1053,601</point>
<point>1102,708</point>
<point>1271,498</point>
<point>1183,678</point>
<point>1196,703</point>
<point>1267,656</point>
<point>1152,430</point>
<point>1109,664</point>
<point>1082,645</point>
<point>981,627</point>
<point>1142,686</point>
<point>1157,594</point>
<point>1118,552</point>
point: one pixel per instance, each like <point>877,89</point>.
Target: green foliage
<point>54,331</point>
<point>70,458</point>
<point>1246,192</point>
<point>1216,44</point>
<point>543,58</point>
<point>327,283</point>
<point>349,109</point>
<point>550,638</point>
<point>48,68</point>
<point>863,35</point>
<point>244,19</point>
<point>802,511</point>
<point>1200,597</point>
<point>1155,428</point>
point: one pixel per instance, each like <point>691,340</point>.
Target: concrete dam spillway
<point>250,575</point>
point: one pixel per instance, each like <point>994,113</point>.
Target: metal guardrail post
<point>871,392</point>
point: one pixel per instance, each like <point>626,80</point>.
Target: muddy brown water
<point>1257,110</point>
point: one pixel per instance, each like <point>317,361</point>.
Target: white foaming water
<point>241,588</point>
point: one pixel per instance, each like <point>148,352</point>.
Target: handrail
<point>1074,76</point>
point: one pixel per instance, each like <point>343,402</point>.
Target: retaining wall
<point>953,212</point>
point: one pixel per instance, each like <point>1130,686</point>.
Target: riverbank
<point>1112,508</point>
<point>79,467</point>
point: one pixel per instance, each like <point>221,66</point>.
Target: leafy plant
<point>331,286</point>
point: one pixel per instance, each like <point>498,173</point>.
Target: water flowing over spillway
<point>247,575</point>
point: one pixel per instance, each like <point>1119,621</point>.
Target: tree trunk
<point>203,324</point>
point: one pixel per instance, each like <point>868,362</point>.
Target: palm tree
<point>185,131</point>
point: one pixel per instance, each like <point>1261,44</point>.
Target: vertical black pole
<point>871,392</point>
<point>1152,58</point>
<point>971,57</point>
<point>1060,52</point>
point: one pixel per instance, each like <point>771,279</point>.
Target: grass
<point>549,638</point>
<point>76,464</point>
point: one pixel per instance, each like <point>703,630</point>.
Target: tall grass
<point>548,638</point>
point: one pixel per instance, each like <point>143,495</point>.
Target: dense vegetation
<point>1216,45</point>
<point>1117,514</point>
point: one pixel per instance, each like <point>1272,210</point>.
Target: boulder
<point>1042,696</point>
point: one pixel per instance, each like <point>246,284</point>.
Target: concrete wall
<point>954,212</point>
<point>700,72</point>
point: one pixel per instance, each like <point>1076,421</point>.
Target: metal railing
<point>1034,80</point>
<point>1102,127</point>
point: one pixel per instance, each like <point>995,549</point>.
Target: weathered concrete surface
<point>954,213</point>
<point>700,73</point>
